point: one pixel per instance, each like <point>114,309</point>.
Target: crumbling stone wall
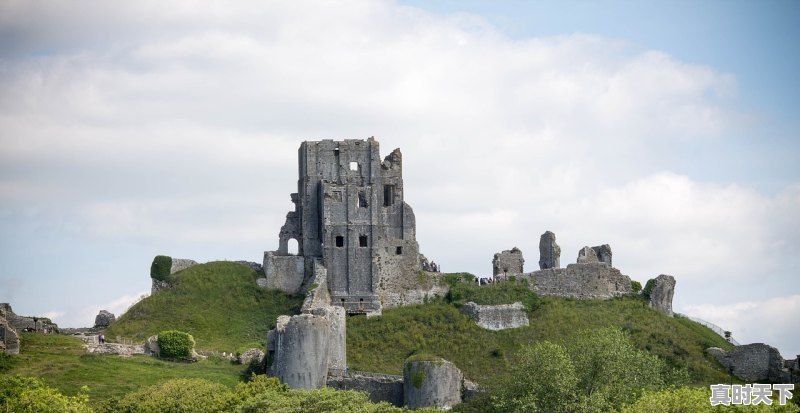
<point>581,281</point>
<point>497,317</point>
<point>663,288</point>
<point>349,213</point>
<point>432,383</point>
<point>20,323</point>
<point>587,255</point>
<point>9,339</point>
<point>757,362</point>
<point>180,264</point>
<point>603,253</point>
<point>379,387</point>
<point>507,263</point>
<point>549,251</point>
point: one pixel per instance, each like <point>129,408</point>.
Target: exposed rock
<point>104,319</point>
<point>662,292</point>
<point>603,253</point>
<point>432,383</point>
<point>755,362</point>
<point>115,348</point>
<point>180,264</point>
<point>507,263</point>
<point>151,347</point>
<point>587,255</point>
<point>158,285</point>
<point>582,281</point>
<point>251,355</point>
<point>497,317</point>
<point>549,251</point>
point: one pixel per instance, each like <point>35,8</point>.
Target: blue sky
<point>666,129</point>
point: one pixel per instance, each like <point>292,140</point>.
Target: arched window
<point>293,246</point>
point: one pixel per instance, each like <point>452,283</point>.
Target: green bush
<point>175,344</point>
<point>648,288</point>
<point>161,267</point>
<point>179,395</point>
<point>636,286</point>
<point>31,395</point>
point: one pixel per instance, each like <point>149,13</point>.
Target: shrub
<point>175,344</point>
<point>161,267</point>
<point>648,288</point>
<point>27,394</point>
<point>636,286</point>
<point>179,395</point>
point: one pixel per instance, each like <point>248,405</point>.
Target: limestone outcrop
<point>549,251</point>
<point>497,317</point>
<point>757,362</point>
<point>661,291</point>
<point>104,319</point>
<point>507,263</point>
<point>432,383</point>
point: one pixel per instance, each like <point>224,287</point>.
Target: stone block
<point>497,317</point>
<point>432,383</point>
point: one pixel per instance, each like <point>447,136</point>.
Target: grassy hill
<point>218,303</point>
<point>439,328</point>
<point>62,362</point>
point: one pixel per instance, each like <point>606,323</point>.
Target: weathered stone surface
<point>115,348</point>
<point>507,263</point>
<point>661,294</point>
<point>104,319</point>
<point>9,339</point>
<point>581,281</point>
<point>158,285</point>
<point>433,383</point>
<point>24,323</point>
<point>348,213</point>
<point>301,351</point>
<point>549,251</point>
<point>379,387</point>
<point>603,253</point>
<point>497,317</point>
<point>587,255</point>
<point>180,264</point>
<point>755,362</point>
<point>151,347</point>
<point>254,265</point>
<point>251,355</point>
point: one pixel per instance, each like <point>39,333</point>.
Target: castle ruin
<point>349,216</point>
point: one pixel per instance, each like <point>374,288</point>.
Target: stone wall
<point>396,290</point>
<point>755,362</point>
<point>20,323</point>
<point>549,251</point>
<point>180,264</point>
<point>497,317</point>
<point>583,281</point>
<point>284,272</point>
<point>9,339</point>
<point>663,288</point>
<point>432,383</point>
<point>508,262</point>
<point>379,387</point>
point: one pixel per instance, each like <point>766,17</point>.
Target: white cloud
<point>772,321</point>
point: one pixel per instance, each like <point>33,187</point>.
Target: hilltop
<point>218,303</point>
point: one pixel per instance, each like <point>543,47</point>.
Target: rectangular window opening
<point>388,195</point>
<point>362,199</point>
<point>353,166</point>
<point>339,241</point>
<point>399,251</point>
<point>362,241</point>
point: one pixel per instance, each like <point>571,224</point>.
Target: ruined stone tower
<point>349,217</point>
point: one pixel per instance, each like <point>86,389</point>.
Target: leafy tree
<point>648,288</point>
<point>179,395</point>
<point>636,286</point>
<point>161,267</point>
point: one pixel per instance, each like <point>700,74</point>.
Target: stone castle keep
<point>350,218</point>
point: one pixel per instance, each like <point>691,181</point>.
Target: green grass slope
<point>439,328</point>
<point>218,303</point>
<point>62,362</point>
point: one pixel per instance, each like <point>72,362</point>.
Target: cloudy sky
<point>668,130</point>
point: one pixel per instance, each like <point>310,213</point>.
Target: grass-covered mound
<point>61,362</point>
<point>218,303</point>
<point>483,355</point>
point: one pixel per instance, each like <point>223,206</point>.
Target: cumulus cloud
<point>177,123</point>
<point>771,321</point>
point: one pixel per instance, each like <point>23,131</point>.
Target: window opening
<point>362,199</point>
<point>353,166</point>
<point>388,195</point>
<point>339,241</point>
<point>362,241</point>
<point>293,246</point>
<point>399,251</point>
